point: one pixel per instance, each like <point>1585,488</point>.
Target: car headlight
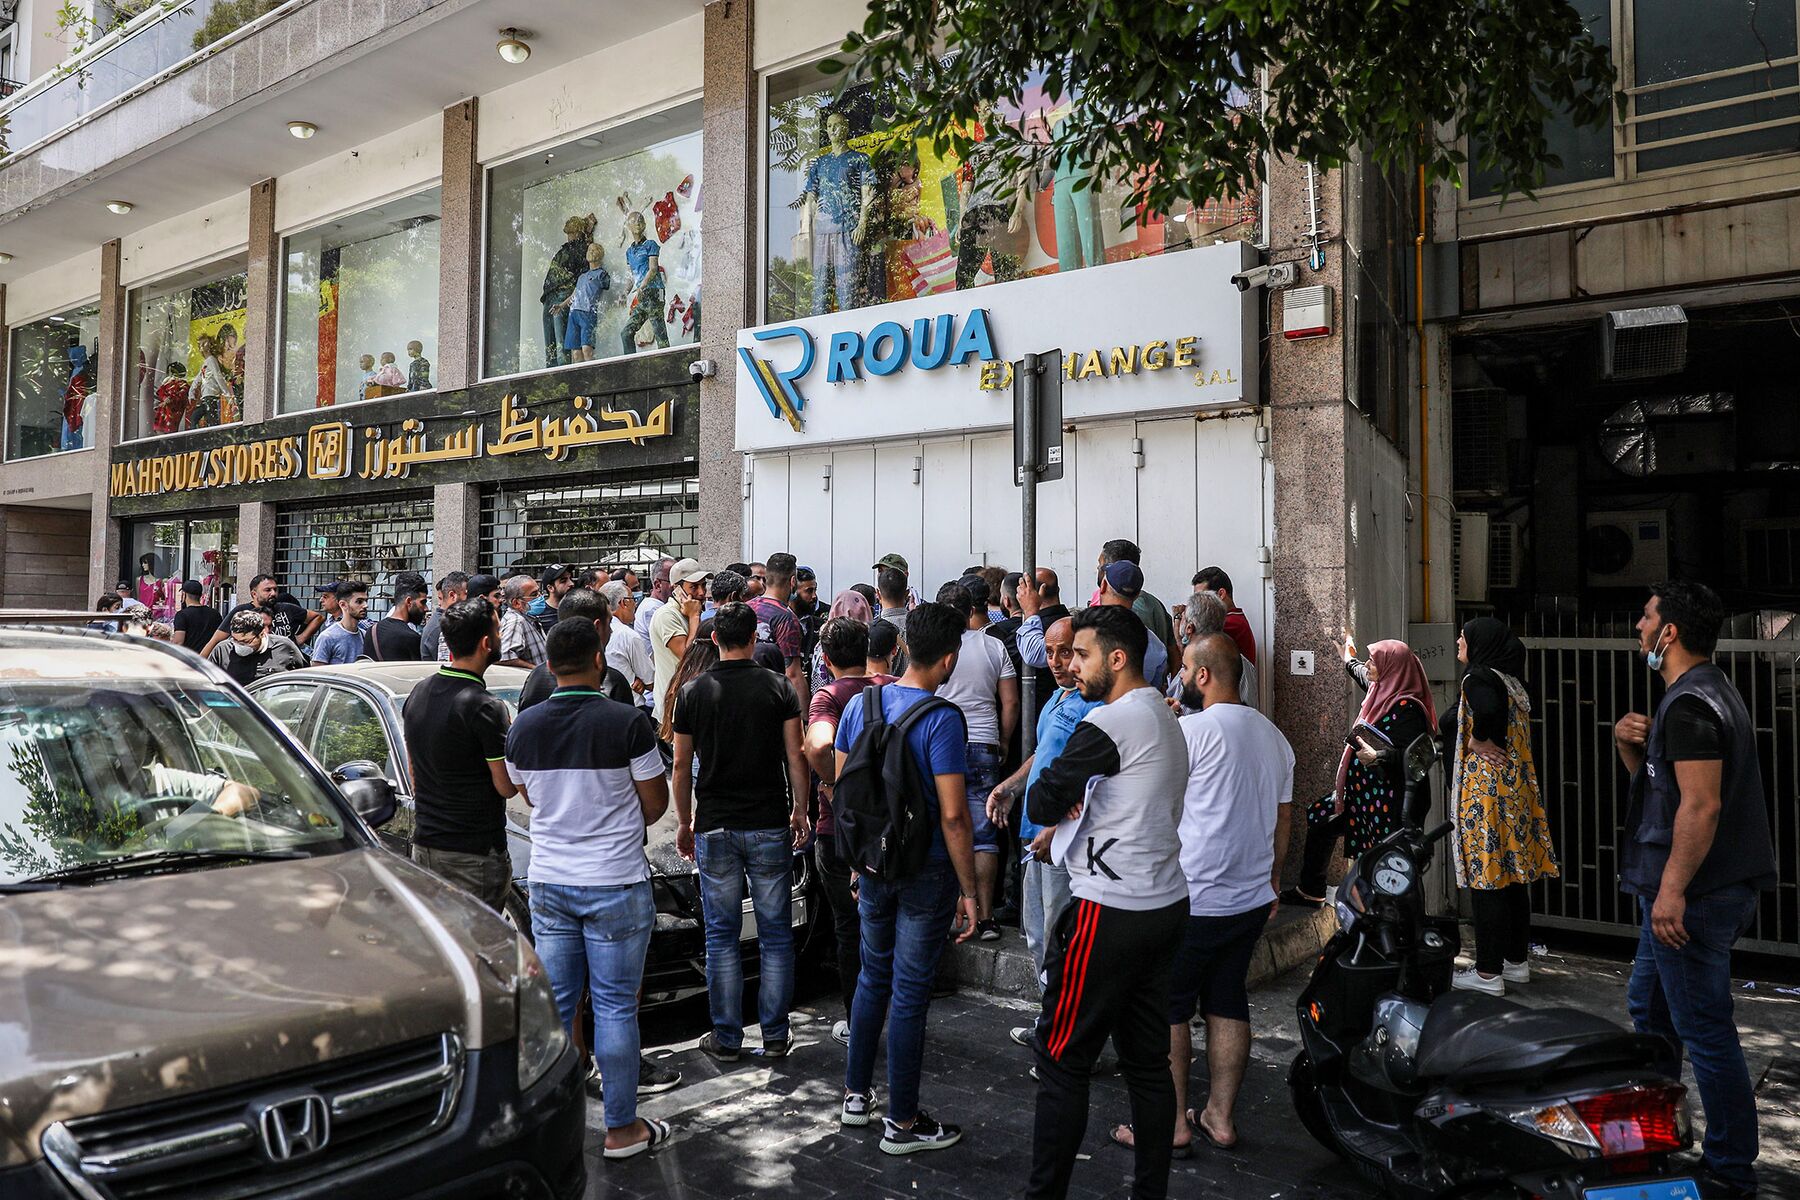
<point>542,1037</point>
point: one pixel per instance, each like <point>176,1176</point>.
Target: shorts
<point>1212,964</point>
<point>580,333</point>
<point>981,775</point>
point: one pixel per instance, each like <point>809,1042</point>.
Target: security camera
<point>703,368</point>
<point>1270,275</point>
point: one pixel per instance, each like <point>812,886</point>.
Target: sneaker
<point>988,930</point>
<point>925,1134</point>
<point>1023,1035</point>
<point>592,1083</point>
<point>654,1080</point>
<point>774,1049</point>
<point>1472,980</point>
<point>1515,972</point>
<point>709,1045</point>
<point>857,1107</point>
<point>840,1033</point>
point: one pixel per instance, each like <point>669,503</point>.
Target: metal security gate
<point>526,527</point>
<point>1580,686</point>
<point>363,540</point>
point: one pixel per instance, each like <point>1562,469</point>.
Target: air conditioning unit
<point>1469,535</point>
<point>1506,554</point>
<point>1643,343</point>
<point>1626,549</point>
<point>1478,442</point>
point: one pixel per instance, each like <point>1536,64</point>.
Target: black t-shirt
<point>735,713</point>
<point>286,619</point>
<point>393,640</point>
<point>197,623</point>
<point>454,728</point>
<point>1692,731</point>
<point>540,683</point>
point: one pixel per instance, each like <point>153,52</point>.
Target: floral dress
<point>1502,836</point>
<point>1374,795</point>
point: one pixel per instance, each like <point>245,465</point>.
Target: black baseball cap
<point>554,572</point>
<point>192,587</point>
<point>482,585</point>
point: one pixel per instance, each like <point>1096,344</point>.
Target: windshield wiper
<point>151,863</point>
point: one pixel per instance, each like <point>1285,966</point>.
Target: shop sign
<point>1151,335</point>
<point>335,450</point>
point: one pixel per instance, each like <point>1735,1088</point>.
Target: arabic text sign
<point>341,450</point>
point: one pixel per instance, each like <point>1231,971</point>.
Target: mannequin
<point>173,404</point>
<point>835,204</point>
<point>565,268</point>
<point>645,301</point>
<point>75,395</point>
<point>418,368</point>
<point>161,596</point>
<point>979,232</point>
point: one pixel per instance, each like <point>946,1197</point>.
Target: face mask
<point>1654,659</point>
<point>240,649</point>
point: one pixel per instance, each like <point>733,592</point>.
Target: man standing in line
<point>1237,625</point>
<point>986,689</point>
<point>1044,893</point>
<point>1697,854</point>
<point>591,772</point>
<point>521,641</point>
<point>1151,611</point>
<point>453,588</point>
<point>1040,607</point>
<point>758,578</point>
<point>774,623</point>
<point>1205,613</point>
<point>744,722</point>
<point>891,590</point>
<point>905,922</point>
<point>1235,819</point>
<point>1121,583</point>
<point>554,582</point>
<point>729,587</point>
<point>197,620</point>
<point>1109,968</point>
<point>395,638</point>
<point>808,609</point>
<point>589,606</point>
<point>675,624</point>
<point>456,745</point>
<point>657,597</point>
<point>342,641</point>
<point>626,653</point>
<point>484,587</point>
<point>846,645</point>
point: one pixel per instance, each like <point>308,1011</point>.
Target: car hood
<point>121,993</point>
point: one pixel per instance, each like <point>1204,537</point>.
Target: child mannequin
<point>583,304</point>
<point>418,370</point>
<point>389,376</point>
<point>367,363</point>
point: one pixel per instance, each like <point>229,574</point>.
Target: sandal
<point>1112,1136</point>
<point>659,1133</point>
<point>1203,1131</point>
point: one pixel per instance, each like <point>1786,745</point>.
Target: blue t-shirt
<point>588,289</point>
<point>838,180</point>
<point>337,646</point>
<point>1056,722</point>
<point>637,257</point>
<point>939,742</point>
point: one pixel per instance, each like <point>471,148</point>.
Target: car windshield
<point>138,769</point>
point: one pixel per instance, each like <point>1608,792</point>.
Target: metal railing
<point>1580,687</point>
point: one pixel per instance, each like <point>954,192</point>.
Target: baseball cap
<point>1125,578</point>
<point>482,585</point>
<point>327,589</point>
<point>687,570</point>
<point>892,561</point>
<point>553,572</point>
<point>122,585</point>
<point>192,587</point>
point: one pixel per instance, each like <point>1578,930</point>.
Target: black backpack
<point>878,802</point>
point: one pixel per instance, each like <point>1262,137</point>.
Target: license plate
<point>1649,1189</point>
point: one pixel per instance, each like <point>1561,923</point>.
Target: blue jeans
<point>599,936</point>
<point>1685,995</point>
<point>727,857</point>
<point>556,328</point>
<point>981,774</point>
<point>904,925</point>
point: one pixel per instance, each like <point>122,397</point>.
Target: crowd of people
<point>1139,844</point>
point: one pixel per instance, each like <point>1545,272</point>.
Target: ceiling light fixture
<point>119,207</point>
<point>302,129</point>
<point>512,46</point>
<point>4,258</point>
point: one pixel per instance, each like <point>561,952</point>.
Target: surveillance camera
<point>1270,275</point>
<point>703,368</point>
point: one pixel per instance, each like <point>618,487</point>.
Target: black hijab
<point>1494,647</point>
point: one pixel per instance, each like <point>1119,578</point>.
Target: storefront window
<point>162,555</point>
<point>862,213</point>
<point>50,383</point>
<point>187,352</point>
<point>361,313</point>
<point>625,203</point>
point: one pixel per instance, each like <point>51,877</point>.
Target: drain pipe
<point>1424,401</point>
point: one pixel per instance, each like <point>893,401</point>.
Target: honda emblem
<point>294,1126</point>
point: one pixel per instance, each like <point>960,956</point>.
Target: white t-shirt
<point>1240,773</point>
<point>974,686</point>
<point>629,654</point>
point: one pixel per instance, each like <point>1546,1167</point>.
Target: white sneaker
<point>856,1108</point>
<point>840,1033</point>
<point>1472,980</point>
<point>1515,972</point>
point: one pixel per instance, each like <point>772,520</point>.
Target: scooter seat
<point>1470,1037</point>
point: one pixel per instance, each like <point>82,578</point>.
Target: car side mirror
<point>372,797</point>
<point>1420,756</point>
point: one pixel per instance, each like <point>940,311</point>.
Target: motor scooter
<point>1431,1092</point>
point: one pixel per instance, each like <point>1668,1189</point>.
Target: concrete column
<point>455,528</point>
<point>256,545</point>
<point>104,552</point>
<point>729,162</point>
<point>262,350</point>
<point>459,253</point>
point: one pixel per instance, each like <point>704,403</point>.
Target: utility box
<point>1306,312</point>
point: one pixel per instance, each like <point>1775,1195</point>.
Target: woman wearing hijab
<point>1501,844</point>
<point>847,603</point>
<point>1365,805</point>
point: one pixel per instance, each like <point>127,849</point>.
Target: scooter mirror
<point>1420,756</point>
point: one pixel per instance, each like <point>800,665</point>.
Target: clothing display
<point>1079,240</point>
<point>418,374</point>
<point>565,268</point>
<point>646,296</point>
<point>75,395</point>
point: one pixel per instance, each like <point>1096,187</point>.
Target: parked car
<point>218,983</point>
<point>348,717</point>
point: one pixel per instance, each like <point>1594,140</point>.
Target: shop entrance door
<point>161,555</point>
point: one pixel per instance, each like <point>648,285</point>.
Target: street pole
<point>1028,466</point>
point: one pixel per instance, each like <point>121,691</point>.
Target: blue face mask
<point>1654,659</point>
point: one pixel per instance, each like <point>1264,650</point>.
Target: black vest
<point>1742,851</point>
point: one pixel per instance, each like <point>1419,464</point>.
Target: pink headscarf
<point>1398,676</point>
<point>849,603</point>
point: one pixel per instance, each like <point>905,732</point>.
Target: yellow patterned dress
<point>1502,836</point>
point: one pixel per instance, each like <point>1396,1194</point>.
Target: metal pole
<point>1028,417</point>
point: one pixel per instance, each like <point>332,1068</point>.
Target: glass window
<point>361,311</point>
<point>287,703</point>
<point>625,203</point>
<point>1585,151</point>
<point>350,730</point>
<point>186,352</point>
<point>860,213</point>
<point>50,383</point>
<point>162,555</point>
<point>1676,41</point>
